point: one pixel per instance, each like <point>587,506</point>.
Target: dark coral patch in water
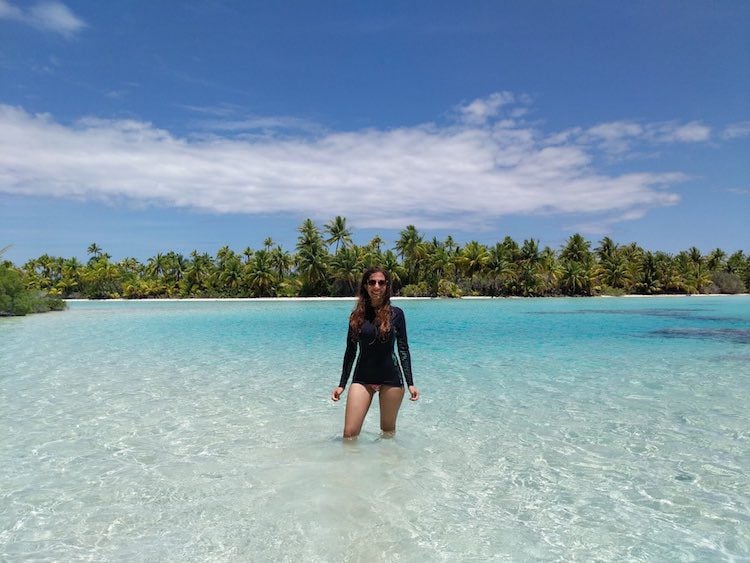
<point>738,335</point>
<point>681,314</point>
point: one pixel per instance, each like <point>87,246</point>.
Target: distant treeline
<point>325,262</point>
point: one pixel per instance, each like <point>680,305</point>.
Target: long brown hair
<point>382,313</point>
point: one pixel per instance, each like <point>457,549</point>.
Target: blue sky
<point>155,126</point>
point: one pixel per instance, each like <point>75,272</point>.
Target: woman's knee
<point>351,432</point>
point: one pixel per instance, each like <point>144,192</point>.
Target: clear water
<point>549,429</point>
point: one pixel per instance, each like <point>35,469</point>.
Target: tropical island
<point>326,262</point>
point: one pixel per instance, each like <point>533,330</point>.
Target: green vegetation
<point>326,262</point>
<point>17,299</point>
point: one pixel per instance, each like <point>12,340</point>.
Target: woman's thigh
<point>390,402</point>
<point>357,404</point>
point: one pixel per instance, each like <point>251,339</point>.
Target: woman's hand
<point>414,392</point>
<point>336,395</point>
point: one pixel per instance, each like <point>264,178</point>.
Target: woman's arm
<point>402,344</point>
<point>349,355</point>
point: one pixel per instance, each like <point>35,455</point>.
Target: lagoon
<point>548,429</point>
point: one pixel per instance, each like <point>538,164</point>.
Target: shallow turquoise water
<point>549,429</point>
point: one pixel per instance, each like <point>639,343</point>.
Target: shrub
<point>447,288</point>
<point>726,282</point>
<point>416,290</point>
<point>16,300</point>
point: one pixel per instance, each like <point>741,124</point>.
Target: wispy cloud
<point>693,132</point>
<point>49,16</point>
<point>737,130</point>
<point>604,224</point>
<point>480,110</point>
<point>9,11</point>
<point>618,137</point>
<point>226,119</point>
<point>451,175</point>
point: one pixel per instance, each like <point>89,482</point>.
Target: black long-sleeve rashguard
<point>377,363</point>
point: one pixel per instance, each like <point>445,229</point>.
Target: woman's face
<point>376,288</point>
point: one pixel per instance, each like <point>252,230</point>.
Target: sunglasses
<point>373,283</point>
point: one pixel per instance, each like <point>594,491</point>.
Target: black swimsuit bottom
<point>377,362</point>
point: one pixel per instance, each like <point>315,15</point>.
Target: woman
<point>374,326</point>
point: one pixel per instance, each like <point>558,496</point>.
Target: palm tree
<point>530,281</point>
<point>376,243</point>
<point>716,260</point>
<point>95,251</point>
<point>70,276</point>
<point>230,276</point>
<point>282,262</point>
<point>736,263</point>
<point>224,255</point>
<point>156,266</point>
<point>36,272</point>
<point>501,270</point>
<point>450,245</point>
<point>696,277</point>
<point>198,274</point>
<point>102,279</point>
<point>614,272</point>
<point>576,249</point>
<point>407,247</point>
<point>308,233</point>
<point>130,270</point>
<point>438,265</point>
<point>268,243</point>
<point>346,269</point>
<point>339,233</point>
<point>473,258</point>
<point>175,268</point>
<point>649,282</point>
<point>508,248</point>
<point>606,249</point>
<point>529,252</point>
<point>695,256</point>
<point>550,270</point>
<point>66,285</point>
<point>670,279</point>
<point>260,276</point>
<point>398,273</point>
<point>576,278</point>
<point>312,259</point>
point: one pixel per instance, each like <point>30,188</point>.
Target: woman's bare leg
<point>357,404</point>
<point>390,402</point>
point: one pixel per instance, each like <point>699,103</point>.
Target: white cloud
<point>615,137</point>
<point>692,132</point>
<point>48,16</point>
<point>482,109</point>
<point>616,130</point>
<point>618,137</point>
<point>737,130</point>
<point>432,175</point>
